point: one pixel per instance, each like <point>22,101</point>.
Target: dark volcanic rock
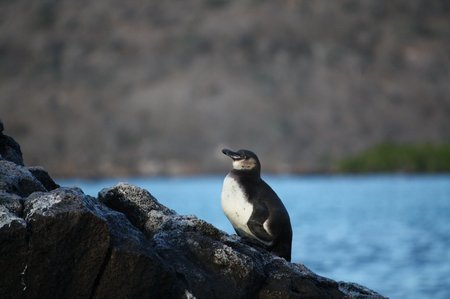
<point>18,179</point>
<point>13,252</point>
<point>138,204</point>
<point>12,202</point>
<point>42,176</point>
<point>65,244</point>
<point>82,249</point>
<point>70,245</point>
<point>213,264</point>
<point>9,148</point>
<point>14,176</point>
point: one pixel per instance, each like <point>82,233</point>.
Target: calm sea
<point>390,233</point>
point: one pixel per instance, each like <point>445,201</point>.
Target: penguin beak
<point>231,154</point>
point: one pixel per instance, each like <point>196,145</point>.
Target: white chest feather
<point>235,205</point>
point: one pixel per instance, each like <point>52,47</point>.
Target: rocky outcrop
<point>57,242</point>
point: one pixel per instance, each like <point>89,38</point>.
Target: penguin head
<point>243,160</point>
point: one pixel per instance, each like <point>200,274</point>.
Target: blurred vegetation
<point>386,157</point>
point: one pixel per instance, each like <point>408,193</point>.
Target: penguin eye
<point>242,156</point>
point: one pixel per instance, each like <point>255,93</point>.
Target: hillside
<point>109,87</point>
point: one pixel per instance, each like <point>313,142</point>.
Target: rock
<point>82,249</point>
<point>42,176</point>
<point>132,269</point>
<point>12,202</point>
<point>68,244</point>
<point>213,264</point>
<point>357,291</point>
<point>18,179</point>
<point>9,148</point>
<point>137,204</point>
<point>13,253</point>
<point>125,244</point>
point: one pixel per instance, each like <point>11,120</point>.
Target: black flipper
<point>255,223</point>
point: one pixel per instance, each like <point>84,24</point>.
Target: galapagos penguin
<point>252,207</point>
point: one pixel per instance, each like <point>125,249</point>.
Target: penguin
<point>253,208</point>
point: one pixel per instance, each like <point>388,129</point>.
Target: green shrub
<point>388,157</point>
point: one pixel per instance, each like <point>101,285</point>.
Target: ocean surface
<point>390,233</point>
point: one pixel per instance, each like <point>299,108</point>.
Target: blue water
<point>390,233</point>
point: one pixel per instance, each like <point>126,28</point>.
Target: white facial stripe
<point>244,164</point>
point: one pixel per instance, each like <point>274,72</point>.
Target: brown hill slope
<point>159,86</point>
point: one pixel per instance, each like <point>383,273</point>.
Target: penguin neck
<point>248,173</point>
